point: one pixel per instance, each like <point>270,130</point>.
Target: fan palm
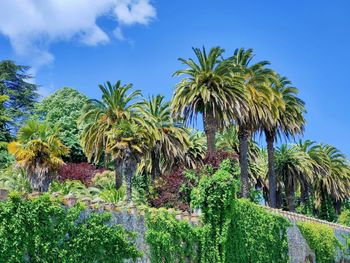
<point>170,137</point>
<point>255,83</point>
<point>118,103</point>
<point>39,153</point>
<point>286,118</point>
<point>292,167</point>
<point>207,89</point>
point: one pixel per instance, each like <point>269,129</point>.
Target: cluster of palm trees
<point>236,91</point>
<point>136,133</point>
<point>237,99</point>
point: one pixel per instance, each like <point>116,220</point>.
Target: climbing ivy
<point>41,230</point>
<point>321,239</point>
<point>237,230</point>
<point>171,240</point>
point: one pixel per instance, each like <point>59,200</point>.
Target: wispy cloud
<point>32,25</point>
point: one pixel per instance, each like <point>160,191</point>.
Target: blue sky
<point>140,41</point>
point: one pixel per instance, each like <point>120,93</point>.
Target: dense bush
<point>43,231</point>
<point>321,239</point>
<point>83,172</point>
<point>344,217</point>
<point>173,188</point>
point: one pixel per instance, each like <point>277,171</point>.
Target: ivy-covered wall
<point>42,229</point>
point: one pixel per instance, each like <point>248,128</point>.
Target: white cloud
<point>32,25</point>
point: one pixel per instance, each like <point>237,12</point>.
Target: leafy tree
<point>22,94</point>
<point>256,78</point>
<point>39,153</point>
<point>208,89</point>
<point>5,158</point>
<point>286,119</point>
<point>62,109</point>
<point>113,112</point>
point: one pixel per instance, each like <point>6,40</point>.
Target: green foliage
<point>215,198</point>
<point>62,109</point>
<point>14,83</point>
<point>171,240</point>
<point>236,230</point>
<point>14,179</point>
<point>102,187</point>
<point>344,217</point>
<point>43,231</point>
<point>255,235</point>
<point>321,239</point>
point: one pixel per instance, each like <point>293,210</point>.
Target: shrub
<point>82,172</point>
<point>104,180</point>
<point>14,179</point>
<point>167,191</point>
<point>344,217</point>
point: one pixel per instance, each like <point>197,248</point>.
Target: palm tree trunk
<point>210,130</point>
<point>40,180</point>
<point>118,167</point>
<point>243,135</point>
<point>337,206</point>
<point>304,195</point>
<point>290,195</point>
<point>155,159</point>
<point>270,138</point>
<point>129,171</point>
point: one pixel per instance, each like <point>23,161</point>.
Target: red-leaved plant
<point>83,172</point>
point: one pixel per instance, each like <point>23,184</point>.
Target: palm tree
<point>256,78</point>
<point>171,137</point>
<point>207,89</point>
<point>286,118</point>
<point>39,153</point>
<point>292,167</point>
<point>333,179</point>
<point>118,103</point>
<point>195,151</point>
<point>128,141</point>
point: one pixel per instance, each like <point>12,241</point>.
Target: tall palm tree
<point>39,153</point>
<point>256,78</point>
<point>171,137</point>
<point>207,89</point>
<point>292,167</point>
<point>286,118</point>
<point>118,103</point>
